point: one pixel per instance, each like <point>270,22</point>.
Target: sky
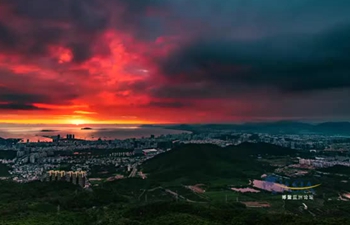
<point>173,61</point>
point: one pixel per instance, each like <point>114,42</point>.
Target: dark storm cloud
<point>7,36</point>
<point>234,48</point>
<point>252,18</point>
<point>89,15</point>
<point>81,52</point>
<point>23,89</point>
<point>31,96</point>
<point>14,100</point>
<point>186,90</point>
<point>141,18</point>
<point>32,43</point>
<point>168,104</point>
<point>319,104</point>
<point>137,86</point>
<point>10,96</point>
<point>18,106</point>
<point>68,22</point>
<point>250,47</point>
<point>84,14</point>
<point>47,23</point>
<point>76,24</point>
<point>285,63</point>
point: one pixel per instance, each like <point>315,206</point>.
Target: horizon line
<point>179,123</point>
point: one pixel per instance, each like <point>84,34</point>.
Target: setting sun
<point>78,122</point>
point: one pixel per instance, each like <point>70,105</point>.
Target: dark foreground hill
<point>54,203</point>
<point>202,163</point>
<point>338,169</point>
<point>132,202</point>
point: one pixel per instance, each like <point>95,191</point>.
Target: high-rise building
<point>32,158</point>
<point>48,176</point>
<point>69,176</point>
<point>58,175</point>
<point>74,178</point>
<point>78,177</point>
<point>81,178</point>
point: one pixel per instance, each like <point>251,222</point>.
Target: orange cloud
<point>85,112</point>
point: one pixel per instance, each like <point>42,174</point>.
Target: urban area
<point>83,162</point>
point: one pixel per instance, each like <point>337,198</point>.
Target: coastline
<point>35,134</point>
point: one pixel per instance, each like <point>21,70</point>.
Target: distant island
<point>48,130</point>
<point>86,128</point>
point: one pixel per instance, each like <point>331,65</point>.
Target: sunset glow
<point>154,62</point>
<point>78,122</point>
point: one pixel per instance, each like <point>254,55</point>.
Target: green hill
<point>197,163</point>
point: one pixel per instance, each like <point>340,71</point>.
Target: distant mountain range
<point>341,128</point>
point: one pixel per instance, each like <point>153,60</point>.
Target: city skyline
<point>166,61</point>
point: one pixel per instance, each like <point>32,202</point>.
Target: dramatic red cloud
<point>138,61</point>
<point>61,66</point>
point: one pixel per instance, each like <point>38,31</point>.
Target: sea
<point>43,132</point>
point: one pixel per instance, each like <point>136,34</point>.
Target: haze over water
<point>105,132</point>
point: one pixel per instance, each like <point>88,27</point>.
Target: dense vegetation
<point>137,201</point>
<point>207,163</point>
<point>63,203</point>
<point>338,169</point>
<point>4,170</point>
<point>7,154</point>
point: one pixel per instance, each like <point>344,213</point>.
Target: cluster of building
<point>324,162</point>
<point>75,177</point>
<point>29,172</point>
<point>294,141</point>
<point>34,159</point>
<point>123,154</point>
